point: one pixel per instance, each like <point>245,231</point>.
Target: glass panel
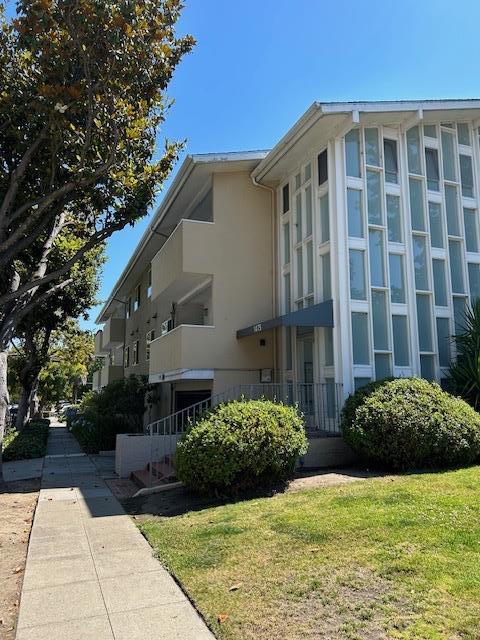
<point>400,341</point>
<point>357,275</point>
<point>308,210</point>
<point>448,154</point>
<point>394,221</point>
<point>463,133</point>
<point>439,283</point>
<point>372,151</point>
<point>286,243</point>
<point>355,213</point>
<point>420,262</point>
<point>298,181</point>
<point>288,294</point>
<point>308,172</point>
<point>324,219</point>
<point>328,337</point>
<point>322,167</point>
<point>436,228</point>
<point>380,323</point>
<point>298,209</point>
<point>326,280</point>
<point>299,273</point>
<point>360,382</point>
<point>361,352</point>
<point>451,205</point>
<point>456,272</point>
<point>459,314</point>
<point>383,368</point>
<point>416,204</point>
<point>424,322</point>
<point>427,367</point>
<point>466,175</point>
<point>377,267</point>
<point>474,281</point>
<point>430,130</point>
<point>397,278</point>
<point>471,234</point>
<point>413,150</point>
<point>433,176</point>
<point>443,339</point>
<point>286,198</point>
<point>374,197</point>
<point>352,153</point>
<point>309,267</point>
<point>391,162</point>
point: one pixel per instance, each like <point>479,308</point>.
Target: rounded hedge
<point>409,423</point>
<point>241,445</point>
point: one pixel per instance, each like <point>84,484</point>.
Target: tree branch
<point>19,172</point>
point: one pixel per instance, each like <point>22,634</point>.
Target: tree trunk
<point>28,403</point>
<point>4,400</point>
<point>34,401</point>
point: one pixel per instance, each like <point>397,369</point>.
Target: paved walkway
<point>90,574</point>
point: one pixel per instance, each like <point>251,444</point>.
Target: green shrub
<point>30,442</point>
<point>409,423</point>
<point>117,408</point>
<point>241,445</point>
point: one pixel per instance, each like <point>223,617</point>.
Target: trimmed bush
<point>116,408</point>
<point>30,442</point>
<point>409,423</point>
<point>241,445</point>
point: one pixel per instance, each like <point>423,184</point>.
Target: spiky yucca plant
<point>464,373</point>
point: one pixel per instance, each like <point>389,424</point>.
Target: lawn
<point>381,558</point>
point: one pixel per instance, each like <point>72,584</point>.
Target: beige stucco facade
<point>203,275</point>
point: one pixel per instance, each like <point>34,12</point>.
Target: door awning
<point>318,315</point>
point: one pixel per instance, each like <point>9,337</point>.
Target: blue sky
<point>258,65</point>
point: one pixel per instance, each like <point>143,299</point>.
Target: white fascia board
<point>182,374</point>
<point>322,109</point>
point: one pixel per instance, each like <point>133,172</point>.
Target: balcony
<point>108,373</point>
<point>113,333</point>
<point>99,350</point>
<point>185,260</point>
<point>187,347</point>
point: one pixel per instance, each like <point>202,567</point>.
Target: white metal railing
<point>320,403</point>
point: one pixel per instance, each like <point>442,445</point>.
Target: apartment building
<point>202,269</point>
<point>347,253</point>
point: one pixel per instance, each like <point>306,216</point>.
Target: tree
<point>71,357</point>
<point>82,97</point>
<point>464,372</point>
<point>53,317</point>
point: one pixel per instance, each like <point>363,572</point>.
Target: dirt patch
<point>178,500</point>
<point>17,507</point>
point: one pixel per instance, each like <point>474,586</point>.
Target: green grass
<point>380,558</point>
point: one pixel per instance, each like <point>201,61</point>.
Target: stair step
<point>162,470</point>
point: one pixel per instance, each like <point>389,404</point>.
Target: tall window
<point>136,303</point>
<point>433,175</point>
<point>135,352</point>
<point>352,153</point>
<point>391,160</point>
<point>149,339</point>
<point>149,285</point>
<point>126,357</point>
<point>322,167</point>
<point>129,308</point>
<point>286,198</point>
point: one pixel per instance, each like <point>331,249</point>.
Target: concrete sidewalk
<point>90,574</point>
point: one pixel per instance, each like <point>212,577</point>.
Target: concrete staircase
<point>155,473</point>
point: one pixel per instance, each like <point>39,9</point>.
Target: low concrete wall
<point>134,451</point>
<point>327,452</point>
